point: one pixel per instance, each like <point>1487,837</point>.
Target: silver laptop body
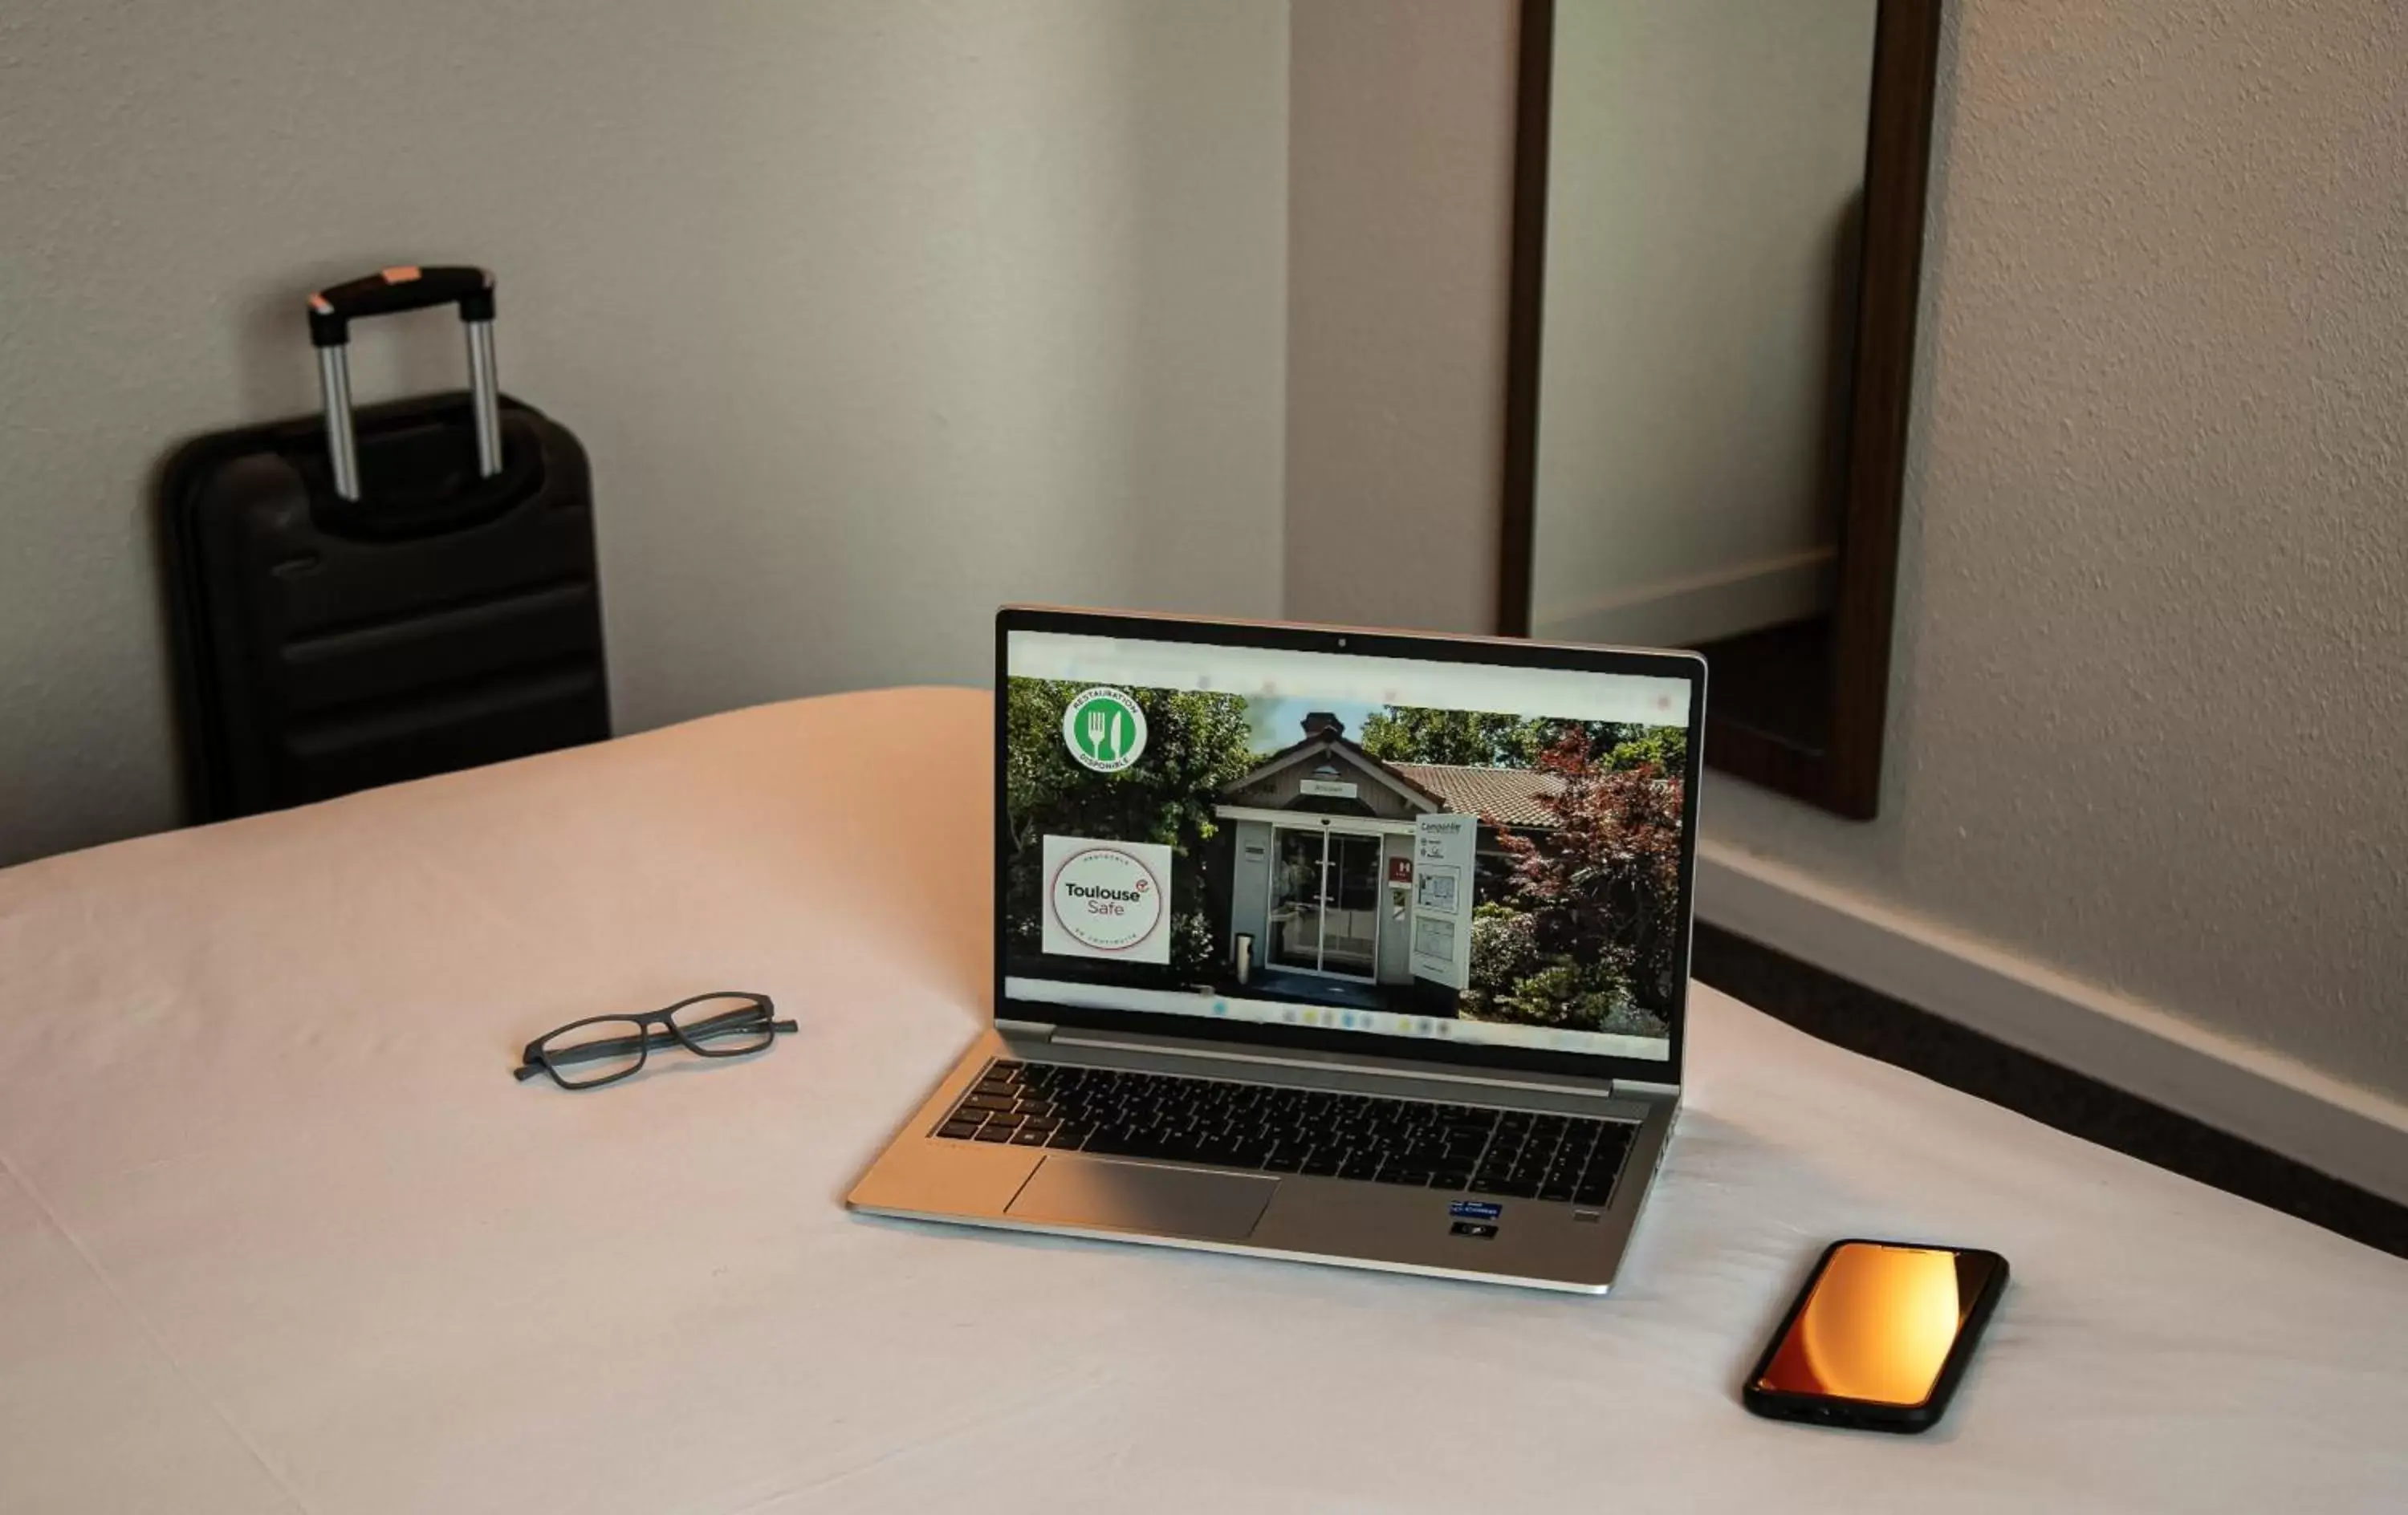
<point>1299,949</point>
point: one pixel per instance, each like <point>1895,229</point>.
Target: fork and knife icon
<point>1098,723</point>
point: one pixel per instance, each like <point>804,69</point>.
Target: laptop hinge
<point>1024,1030</point>
<point>1642,1089</point>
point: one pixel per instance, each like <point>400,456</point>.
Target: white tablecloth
<point>278,1231</point>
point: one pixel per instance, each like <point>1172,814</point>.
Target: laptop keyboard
<point>1218,1122</point>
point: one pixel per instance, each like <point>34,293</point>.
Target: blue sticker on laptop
<point>1475,1209</point>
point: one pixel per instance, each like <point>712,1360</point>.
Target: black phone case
<point>1865,1415</point>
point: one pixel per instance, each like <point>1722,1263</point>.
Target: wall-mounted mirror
<point>1718,226</point>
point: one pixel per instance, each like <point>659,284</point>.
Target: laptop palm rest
<point>1137,1196</point>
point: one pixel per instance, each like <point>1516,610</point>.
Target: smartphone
<point>1879,1337</point>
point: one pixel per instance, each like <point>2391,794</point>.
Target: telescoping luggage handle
<point>333,310</point>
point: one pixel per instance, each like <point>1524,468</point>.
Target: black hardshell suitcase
<point>357,602</point>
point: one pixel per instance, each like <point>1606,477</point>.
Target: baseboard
<point>1703,608</point>
<point>2352,1132</point>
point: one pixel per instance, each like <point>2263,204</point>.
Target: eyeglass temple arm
<point>622,1046</point>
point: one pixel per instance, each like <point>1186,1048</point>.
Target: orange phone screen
<point>1879,1323</point>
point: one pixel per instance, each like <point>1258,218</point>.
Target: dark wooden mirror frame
<point>1843,772</point>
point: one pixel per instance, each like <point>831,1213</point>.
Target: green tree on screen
<point>1666,749</point>
<point>1196,745</point>
<point>1478,738</point>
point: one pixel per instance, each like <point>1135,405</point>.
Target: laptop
<point>1341,946</point>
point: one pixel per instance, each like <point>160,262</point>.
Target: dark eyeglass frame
<point>758,1012</point>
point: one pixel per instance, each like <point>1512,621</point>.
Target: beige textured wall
<point>872,314</point>
<point>1399,172</point>
<point>2150,705</point>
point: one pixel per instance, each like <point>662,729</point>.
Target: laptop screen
<point>1383,846</point>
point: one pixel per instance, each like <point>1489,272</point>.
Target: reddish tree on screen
<point>1604,885</point>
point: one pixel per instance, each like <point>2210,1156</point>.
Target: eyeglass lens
<point>596,1052</point>
<point>724,1026</point>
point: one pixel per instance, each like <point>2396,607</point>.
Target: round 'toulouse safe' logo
<point>1104,729</point>
<point>1107,899</point>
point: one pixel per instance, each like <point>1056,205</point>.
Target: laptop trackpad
<point>1136,1196</point>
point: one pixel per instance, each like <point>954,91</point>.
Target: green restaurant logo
<point>1104,729</point>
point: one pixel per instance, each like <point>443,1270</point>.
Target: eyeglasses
<point>605,1049</point>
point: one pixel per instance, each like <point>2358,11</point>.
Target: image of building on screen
<point>1498,868</point>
